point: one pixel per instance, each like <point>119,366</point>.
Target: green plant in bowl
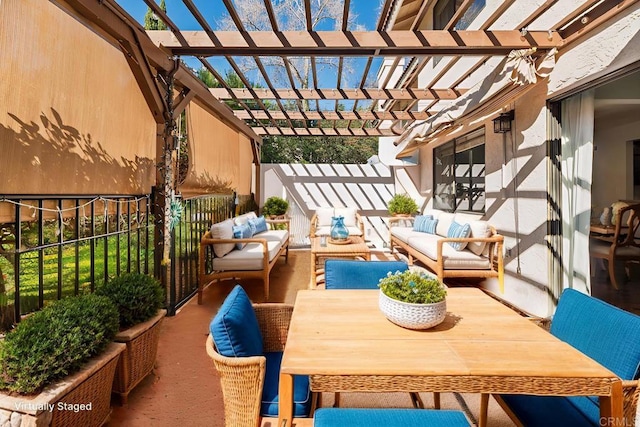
<point>402,204</point>
<point>413,287</point>
<point>275,206</point>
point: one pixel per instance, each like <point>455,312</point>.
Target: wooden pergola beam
<point>354,43</point>
<point>366,132</point>
<point>109,17</point>
<point>333,115</point>
<point>339,94</point>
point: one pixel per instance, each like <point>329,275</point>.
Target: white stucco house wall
<point>520,185</point>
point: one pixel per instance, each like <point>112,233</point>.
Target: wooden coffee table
<point>357,248</point>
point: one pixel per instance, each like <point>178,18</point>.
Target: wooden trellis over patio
<point>402,33</point>
<point>399,99</point>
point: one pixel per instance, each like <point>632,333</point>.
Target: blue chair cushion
<point>603,332</point>
<point>301,390</point>
<point>551,411</point>
<point>458,230</point>
<point>234,329</point>
<point>258,225</point>
<point>361,417</point>
<point>346,274</point>
<point>242,231</point>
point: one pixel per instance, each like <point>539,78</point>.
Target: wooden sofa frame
<point>496,242</point>
<point>205,278</point>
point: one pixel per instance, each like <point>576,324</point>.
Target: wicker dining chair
<point>243,379</point>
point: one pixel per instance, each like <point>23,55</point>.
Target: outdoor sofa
<point>450,244</point>
<point>243,247</point>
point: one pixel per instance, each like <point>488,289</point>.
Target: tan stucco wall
<point>72,118</point>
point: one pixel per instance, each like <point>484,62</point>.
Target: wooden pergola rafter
<point>402,33</point>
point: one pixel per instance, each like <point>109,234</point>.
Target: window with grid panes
<point>459,174</point>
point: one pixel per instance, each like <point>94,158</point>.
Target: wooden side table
<point>357,248</point>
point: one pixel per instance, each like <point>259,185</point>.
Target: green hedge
<point>56,341</point>
<point>137,296</point>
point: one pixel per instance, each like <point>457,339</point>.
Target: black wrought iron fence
<point>56,247</point>
<point>198,213</point>
<point>51,248</point>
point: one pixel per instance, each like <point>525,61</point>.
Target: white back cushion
<point>242,219</point>
<point>222,230</point>
<point>444,222</point>
<point>349,215</point>
<point>324,216</point>
<point>478,229</point>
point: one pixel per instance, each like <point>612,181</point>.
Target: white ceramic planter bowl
<point>413,316</point>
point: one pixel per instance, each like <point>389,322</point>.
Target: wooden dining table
<point>345,344</point>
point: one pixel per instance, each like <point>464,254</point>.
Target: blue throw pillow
<point>235,329</point>
<point>457,230</point>
<point>260,224</point>
<point>425,224</point>
<point>242,231</point>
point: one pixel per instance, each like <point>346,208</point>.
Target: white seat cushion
<point>326,231</point>
<point>404,233</point>
<point>273,235</point>
<point>452,259</point>
<point>249,258</point>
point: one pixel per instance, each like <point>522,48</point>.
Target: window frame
<point>454,181</point>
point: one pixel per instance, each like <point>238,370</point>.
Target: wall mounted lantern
<point>502,123</point>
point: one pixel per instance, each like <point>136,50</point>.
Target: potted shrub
<point>275,207</point>
<point>58,364</point>
<point>139,299</point>
<point>413,299</point>
<point>402,205</point>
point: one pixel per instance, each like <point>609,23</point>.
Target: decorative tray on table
<point>339,241</point>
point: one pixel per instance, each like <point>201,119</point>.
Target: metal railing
<point>198,213</point>
<point>60,246</point>
<point>67,245</point>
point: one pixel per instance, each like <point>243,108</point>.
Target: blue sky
<point>367,12</point>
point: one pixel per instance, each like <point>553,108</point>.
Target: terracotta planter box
<point>139,357</point>
<point>82,399</point>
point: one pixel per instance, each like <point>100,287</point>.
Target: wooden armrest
<point>395,219</point>
<point>285,221</point>
<point>278,221</point>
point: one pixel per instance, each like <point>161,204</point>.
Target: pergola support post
<point>165,153</point>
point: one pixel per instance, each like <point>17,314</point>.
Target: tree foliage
<point>326,15</point>
<point>318,149</point>
<point>152,22</point>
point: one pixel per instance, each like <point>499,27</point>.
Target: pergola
<point>390,107</point>
<point>401,34</point>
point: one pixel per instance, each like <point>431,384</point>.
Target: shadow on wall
<point>53,155</point>
<point>207,184</point>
